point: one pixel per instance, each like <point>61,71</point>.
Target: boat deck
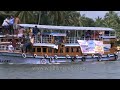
<point>16,51</point>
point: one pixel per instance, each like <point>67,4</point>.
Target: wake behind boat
<point>59,44</point>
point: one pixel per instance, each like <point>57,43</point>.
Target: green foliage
<point>66,18</point>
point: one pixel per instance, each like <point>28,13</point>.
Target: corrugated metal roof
<point>51,27</point>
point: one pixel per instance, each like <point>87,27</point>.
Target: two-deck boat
<point>63,44</point>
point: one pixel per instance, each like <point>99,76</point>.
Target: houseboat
<point>62,44</point>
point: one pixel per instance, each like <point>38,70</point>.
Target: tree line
<point>65,18</point>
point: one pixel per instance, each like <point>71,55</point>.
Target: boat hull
<point>16,58</point>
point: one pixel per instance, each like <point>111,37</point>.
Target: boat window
<point>67,49</point>
<point>112,33</point>
<point>77,50</point>
<point>49,49</point>
<point>112,44</point>
<point>55,50</point>
<point>38,49</point>
<point>44,49</point>
<point>107,33</point>
<point>61,50</point>
<point>72,49</point>
<point>33,49</point>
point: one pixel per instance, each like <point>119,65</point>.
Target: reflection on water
<point>84,70</point>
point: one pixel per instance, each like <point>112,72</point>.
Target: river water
<point>83,70</point>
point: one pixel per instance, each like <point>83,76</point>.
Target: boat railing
<point>3,47</point>
<point>42,39</point>
<point>74,39</point>
<point>108,36</point>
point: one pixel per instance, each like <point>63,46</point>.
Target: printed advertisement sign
<point>91,46</point>
<point>107,47</point>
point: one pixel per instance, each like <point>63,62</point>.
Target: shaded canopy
<point>51,27</point>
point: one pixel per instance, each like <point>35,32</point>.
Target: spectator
<point>11,22</point>
<point>27,43</point>
<point>27,31</point>
<point>5,25</point>
<point>68,33</point>
<point>20,32</point>
<point>35,30</point>
<point>39,37</point>
<point>31,42</point>
<point>15,26</point>
<point>88,34</point>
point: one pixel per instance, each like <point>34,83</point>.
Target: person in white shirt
<point>5,25</point>
<point>6,22</point>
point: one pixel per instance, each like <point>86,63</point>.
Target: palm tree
<point>25,16</point>
<point>112,20</point>
<point>2,13</point>
<point>99,22</point>
<point>74,18</point>
<point>71,18</point>
<point>56,17</point>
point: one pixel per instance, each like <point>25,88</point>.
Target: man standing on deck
<point>5,25</point>
<point>15,26</point>
<point>27,44</point>
<point>11,22</point>
<point>20,32</point>
<point>35,31</point>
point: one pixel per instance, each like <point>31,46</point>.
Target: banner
<point>91,46</point>
<point>107,47</point>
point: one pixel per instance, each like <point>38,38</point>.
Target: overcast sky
<point>95,14</point>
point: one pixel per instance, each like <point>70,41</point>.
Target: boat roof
<point>53,45</point>
<point>54,34</point>
<point>46,44</point>
<point>51,27</point>
<point>58,34</point>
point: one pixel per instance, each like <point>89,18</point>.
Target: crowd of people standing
<point>25,36</point>
<point>10,26</point>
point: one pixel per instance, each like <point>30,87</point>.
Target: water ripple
<point>86,70</point>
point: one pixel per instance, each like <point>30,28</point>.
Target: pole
<point>39,17</point>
